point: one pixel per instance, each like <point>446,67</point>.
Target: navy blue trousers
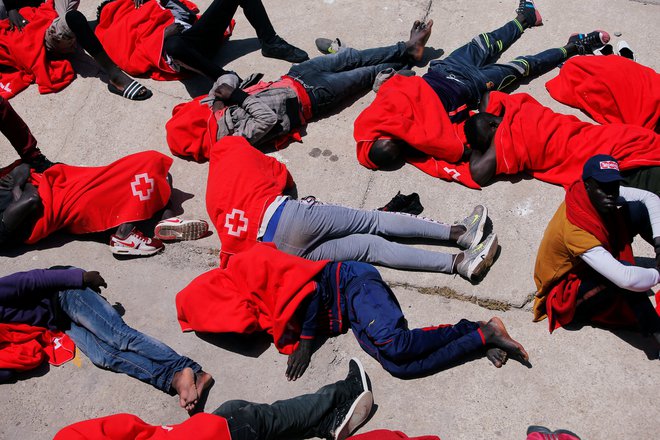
<point>381,329</point>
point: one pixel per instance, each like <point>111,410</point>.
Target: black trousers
<point>196,46</point>
<point>306,416</point>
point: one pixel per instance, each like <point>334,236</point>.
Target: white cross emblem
<point>235,226</point>
<point>143,186</point>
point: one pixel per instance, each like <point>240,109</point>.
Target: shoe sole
<point>479,265</point>
<point>192,230</point>
<point>355,416</point>
<point>132,251</point>
<point>363,374</point>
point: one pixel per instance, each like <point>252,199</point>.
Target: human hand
<point>223,92</point>
<point>656,245</point>
<point>299,360</point>
<point>16,20</point>
<point>138,3</point>
<point>94,281</point>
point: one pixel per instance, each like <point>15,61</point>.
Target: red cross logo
<point>236,222</point>
<point>143,186</point>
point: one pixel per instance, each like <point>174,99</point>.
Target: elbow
<point>479,175</point>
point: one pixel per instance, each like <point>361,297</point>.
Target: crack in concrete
<point>448,292</point>
<point>366,192</point>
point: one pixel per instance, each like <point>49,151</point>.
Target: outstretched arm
<point>483,165</point>
<point>16,20</point>
<point>26,200</point>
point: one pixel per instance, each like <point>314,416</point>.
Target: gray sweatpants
<point>318,231</point>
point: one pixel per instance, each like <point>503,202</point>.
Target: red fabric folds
<point>24,347</point>
<point>260,290</point>
<point>384,434</point>
<point>407,108</point>
<point>553,147</point>
<point>610,89</point>
<point>614,237</point>
<point>81,200</point>
<point>242,183</point>
<point>23,55</point>
<point>134,37</point>
<point>201,426</point>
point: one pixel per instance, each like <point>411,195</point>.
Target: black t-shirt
<point>453,94</point>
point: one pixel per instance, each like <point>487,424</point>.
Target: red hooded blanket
<point>562,299</point>
<point>199,427</point>
<point>23,55</point>
<point>242,183</point>
<point>610,89</point>
<point>24,347</point>
<point>553,147</point>
<point>93,199</point>
<point>134,37</point>
<point>260,290</point>
<point>407,108</point>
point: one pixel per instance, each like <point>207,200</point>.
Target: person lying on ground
<point>413,119</point>
<point>299,302</point>
<point>70,300</point>
<point>193,45</point>
<point>247,198</point>
<point>585,269</point>
<point>333,412</point>
<point>517,134</point>
<point>82,200</point>
<point>69,30</point>
<point>272,113</point>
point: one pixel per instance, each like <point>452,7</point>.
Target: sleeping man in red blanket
<point>517,134</point>
<point>248,200</point>
<point>69,28</point>
<point>414,119</point>
<point>585,268</point>
<point>38,197</point>
<point>299,302</point>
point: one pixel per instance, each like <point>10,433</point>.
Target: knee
<point>174,46</point>
<point>75,20</point>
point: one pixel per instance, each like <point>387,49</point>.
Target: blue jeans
<point>100,333</point>
<point>382,330</point>
<point>472,64</point>
<point>329,79</point>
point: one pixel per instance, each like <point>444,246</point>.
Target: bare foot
<point>184,384</point>
<point>495,333</point>
<point>419,35</point>
<point>203,383</point>
<point>497,356</point>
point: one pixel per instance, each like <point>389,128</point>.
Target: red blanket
<point>384,434</point>
<point>615,238</point>
<point>610,89</point>
<point>407,108</point>
<point>553,147</point>
<point>242,183</point>
<point>201,426</point>
<point>24,347</point>
<point>23,55</point>
<point>93,199</point>
<point>260,290</point>
<point>134,37</point>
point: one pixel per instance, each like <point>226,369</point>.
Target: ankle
<point>523,22</point>
<point>455,232</point>
<point>458,258</point>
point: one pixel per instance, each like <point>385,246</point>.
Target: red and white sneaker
<point>135,244</point>
<point>177,229</point>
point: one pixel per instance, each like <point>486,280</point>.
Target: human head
<point>387,153</point>
<point>480,130</point>
<point>602,180</point>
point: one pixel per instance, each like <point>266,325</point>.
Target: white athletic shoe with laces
<point>135,244</point>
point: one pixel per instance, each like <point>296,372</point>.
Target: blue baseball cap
<point>602,168</point>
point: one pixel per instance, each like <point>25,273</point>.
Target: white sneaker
<point>176,229</point>
<point>624,50</point>
<point>477,259</point>
<point>135,244</point>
